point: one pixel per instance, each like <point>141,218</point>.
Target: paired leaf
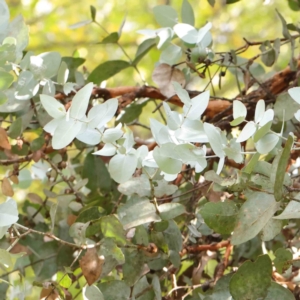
<point>54,108</point>
<point>65,133</point>
<point>80,102</point>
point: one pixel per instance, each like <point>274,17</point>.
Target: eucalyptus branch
<point>52,236</point>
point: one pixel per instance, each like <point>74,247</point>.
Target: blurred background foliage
<point>50,21</point>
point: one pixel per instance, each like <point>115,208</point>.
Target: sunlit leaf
<point>8,213</point>
<point>259,111</point>
<point>267,143</point>
<point>100,114</point>
<point>89,136</point>
<point>187,13</point>
<point>182,93</point>
<point>65,133</point>
<point>54,108</point>
<point>112,228</point>
<point>80,102</point>
<point>171,54</point>
<point>165,35</point>
<point>247,132</point>
<point>215,140</point>
<point>166,163</point>
<point>112,134</point>
<point>187,33</point>
<point>107,150</point>
<point>165,15</point>
<point>4,19</point>
<point>63,73</point>
<point>26,86</point>
<point>168,211</point>
<point>239,109</point>
<point>122,166</point>
<point>197,107</point>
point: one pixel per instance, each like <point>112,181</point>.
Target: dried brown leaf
<point>18,248</point>
<point>163,75</point>
<point>91,265</point>
<point>247,79</point>
<point>34,198</point>
<point>36,156</point>
<point>13,178</point>
<point>49,294</point>
<point>6,187</point>
<point>4,143</point>
<point>71,219</point>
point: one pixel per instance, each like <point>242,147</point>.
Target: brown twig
<point>211,247</point>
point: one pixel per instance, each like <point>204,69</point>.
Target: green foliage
<point>252,280</point>
<point>94,207</point>
<point>107,70</point>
